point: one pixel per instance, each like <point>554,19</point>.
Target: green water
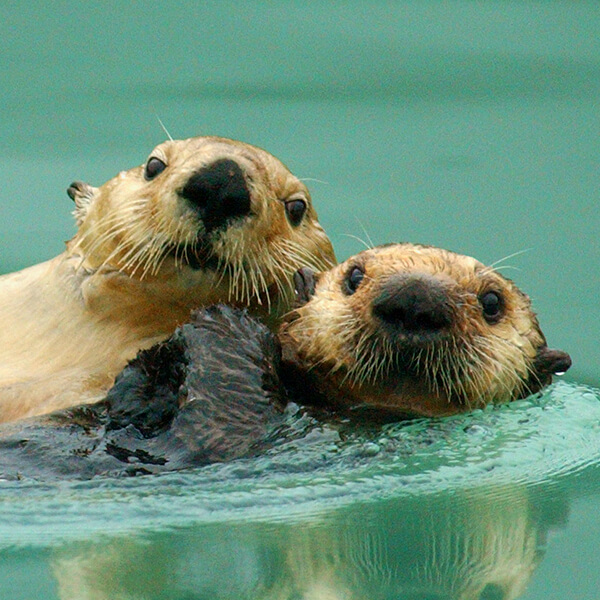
<point>464,507</point>
<point>470,125</point>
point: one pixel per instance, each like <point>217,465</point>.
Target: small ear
<point>547,362</point>
<point>551,362</point>
<point>82,194</point>
<point>304,285</point>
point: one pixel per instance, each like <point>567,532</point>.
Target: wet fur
<point>217,389</point>
<point>138,264</point>
<point>348,359</point>
<point>201,397</point>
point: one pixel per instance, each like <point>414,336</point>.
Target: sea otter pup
<point>202,221</point>
<point>417,330</point>
<point>400,329</point>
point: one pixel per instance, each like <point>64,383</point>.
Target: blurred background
<point>469,125</point>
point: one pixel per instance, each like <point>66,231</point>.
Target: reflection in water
<point>512,87</point>
<point>482,544</point>
<point>431,509</point>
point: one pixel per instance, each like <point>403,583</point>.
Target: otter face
<point>212,219</point>
<point>416,329</point>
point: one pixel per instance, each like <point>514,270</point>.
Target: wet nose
<point>219,193</point>
<point>414,303</point>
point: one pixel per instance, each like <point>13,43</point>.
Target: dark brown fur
<point>198,398</point>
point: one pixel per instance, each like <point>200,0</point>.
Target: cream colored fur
<point>69,325</point>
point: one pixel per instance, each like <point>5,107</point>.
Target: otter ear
<point>82,194</point>
<point>547,362</point>
<point>304,285</point>
<point>551,362</point>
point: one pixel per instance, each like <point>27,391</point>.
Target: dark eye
<point>154,167</point>
<point>295,210</point>
<point>491,303</point>
<point>353,279</point>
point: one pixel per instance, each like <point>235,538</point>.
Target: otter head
<point>417,330</point>
<point>203,220</point>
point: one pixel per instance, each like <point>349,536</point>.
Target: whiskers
<point>250,269</point>
<point>373,359</point>
<point>469,372</point>
<point>497,265</point>
<point>162,126</point>
<point>127,241</point>
<point>474,372</point>
<point>313,180</point>
<point>368,244</point>
<point>259,270</point>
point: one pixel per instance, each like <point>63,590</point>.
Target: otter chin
<point>202,221</point>
<point>416,330</point>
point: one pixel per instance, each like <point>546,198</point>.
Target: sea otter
<point>202,221</point>
<point>400,329</point>
<point>416,329</point>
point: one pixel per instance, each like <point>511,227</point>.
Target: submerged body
<point>200,397</point>
<point>203,221</point>
<point>399,329</point>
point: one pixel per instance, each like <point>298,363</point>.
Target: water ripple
<point>537,442</point>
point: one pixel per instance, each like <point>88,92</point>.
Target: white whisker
<point>493,266</point>
<point>355,237</point>
<point>162,126</point>
<point>313,179</point>
<point>365,232</point>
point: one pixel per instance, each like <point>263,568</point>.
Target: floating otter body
<point>204,220</point>
<point>401,329</point>
<point>210,393</point>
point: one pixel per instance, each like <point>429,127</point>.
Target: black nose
<point>219,193</point>
<point>414,303</point>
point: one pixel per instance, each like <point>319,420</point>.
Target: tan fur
<point>336,338</point>
<point>69,325</point>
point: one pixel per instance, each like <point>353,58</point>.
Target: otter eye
<point>491,303</point>
<point>295,210</point>
<point>353,279</point>
<point>154,167</point>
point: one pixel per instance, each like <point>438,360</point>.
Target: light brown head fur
<point>419,330</point>
<point>202,221</point>
<point>145,230</point>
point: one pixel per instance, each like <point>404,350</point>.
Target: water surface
<point>460,507</point>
